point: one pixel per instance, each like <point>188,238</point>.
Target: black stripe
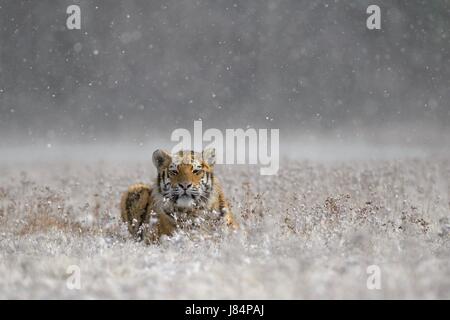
<point>159,182</point>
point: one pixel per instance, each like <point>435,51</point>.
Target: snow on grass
<point>310,232</point>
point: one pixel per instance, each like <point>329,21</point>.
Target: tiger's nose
<point>185,185</point>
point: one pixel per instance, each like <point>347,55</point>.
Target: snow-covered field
<point>310,232</point>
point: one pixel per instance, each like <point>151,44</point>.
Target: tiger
<point>185,195</point>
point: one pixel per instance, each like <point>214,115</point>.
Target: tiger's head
<point>186,178</point>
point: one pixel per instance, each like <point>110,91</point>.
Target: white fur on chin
<point>185,202</point>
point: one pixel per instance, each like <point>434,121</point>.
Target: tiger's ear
<point>209,156</point>
<point>161,159</point>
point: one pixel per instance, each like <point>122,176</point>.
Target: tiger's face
<point>186,178</point>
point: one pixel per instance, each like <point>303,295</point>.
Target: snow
<point>375,194</point>
<point>310,232</point>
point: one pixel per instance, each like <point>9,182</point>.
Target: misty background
<point>139,69</point>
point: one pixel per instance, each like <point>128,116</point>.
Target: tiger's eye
<point>197,171</point>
